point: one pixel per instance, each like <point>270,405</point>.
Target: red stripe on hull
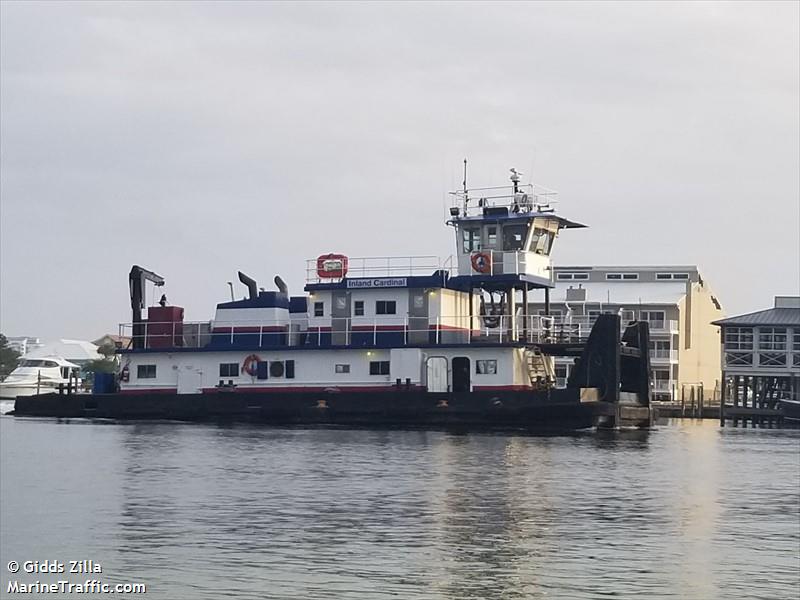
<point>326,388</point>
<point>499,388</point>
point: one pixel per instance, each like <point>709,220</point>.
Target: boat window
<point>358,308</point>
<point>491,236</point>
<point>541,241</point>
<point>319,309</point>
<point>276,368</point>
<point>486,367</point>
<point>341,368</point>
<point>385,307</point>
<point>471,239</point>
<point>514,237</point>
<point>32,363</point>
<point>146,372</point>
<point>379,367</point>
<point>229,370</point>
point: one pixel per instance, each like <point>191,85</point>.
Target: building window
<point>358,308</point>
<point>796,340</point>
<point>385,307</point>
<point>655,318</point>
<point>669,276</point>
<point>621,276</point>
<point>146,372</point>
<point>319,309</point>
<point>229,369</point>
<point>613,276</point>
<point>772,338</point>
<point>627,315</point>
<point>661,380</point>
<point>659,349</point>
<point>738,338</point>
<point>570,276</point>
<point>379,367</point>
<point>486,367</point>
<point>341,368</point>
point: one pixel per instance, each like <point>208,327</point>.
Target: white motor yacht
<point>39,376</point>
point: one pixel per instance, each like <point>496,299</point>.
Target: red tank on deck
<point>164,327</point>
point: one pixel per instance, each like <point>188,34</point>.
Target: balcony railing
<point>664,355</point>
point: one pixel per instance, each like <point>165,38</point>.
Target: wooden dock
<point>750,401</point>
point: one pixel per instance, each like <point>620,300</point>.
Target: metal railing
<point>384,266</point>
<point>528,198</point>
<point>499,329</point>
<point>661,355</point>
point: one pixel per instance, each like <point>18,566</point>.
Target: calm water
<point>207,511</point>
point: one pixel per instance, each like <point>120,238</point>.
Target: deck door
<point>436,374</point>
<point>417,317</point>
<point>340,318</point>
<point>461,374</point>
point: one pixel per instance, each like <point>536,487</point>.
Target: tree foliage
<point>9,357</point>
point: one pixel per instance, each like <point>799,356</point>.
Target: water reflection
<point>208,511</point>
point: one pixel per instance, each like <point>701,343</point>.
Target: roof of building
<point>771,316</point>
<point>627,268</point>
<point>611,292</point>
<point>71,350</point>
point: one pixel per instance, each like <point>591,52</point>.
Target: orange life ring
<point>250,365</point>
<point>482,262</point>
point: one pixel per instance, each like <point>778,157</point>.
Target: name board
<point>384,282</point>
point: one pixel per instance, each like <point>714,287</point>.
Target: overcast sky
<point>198,139</point>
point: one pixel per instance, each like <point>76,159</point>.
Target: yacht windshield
<point>41,364</point>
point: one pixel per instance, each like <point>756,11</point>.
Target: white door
<point>436,369</point>
<point>190,381</point>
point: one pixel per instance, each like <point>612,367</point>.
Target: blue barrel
<point>104,383</point>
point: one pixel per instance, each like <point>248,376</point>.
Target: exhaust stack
<point>252,287</point>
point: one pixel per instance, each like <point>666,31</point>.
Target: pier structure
<point>761,365</point>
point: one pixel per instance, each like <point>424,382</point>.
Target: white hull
<point>11,391</point>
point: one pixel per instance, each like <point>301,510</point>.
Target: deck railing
<point>384,266</point>
<point>500,329</point>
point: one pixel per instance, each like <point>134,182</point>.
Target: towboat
<point>39,376</point>
<point>377,341</point>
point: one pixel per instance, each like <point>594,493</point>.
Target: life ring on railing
<point>250,365</point>
<point>482,262</point>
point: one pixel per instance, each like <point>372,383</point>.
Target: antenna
<point>465,176</point>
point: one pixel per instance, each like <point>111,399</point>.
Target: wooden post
<point>722,400</point>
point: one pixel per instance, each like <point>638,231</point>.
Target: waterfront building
<point>24,344</point>
<point>676,302</point>
<point>761,353</point>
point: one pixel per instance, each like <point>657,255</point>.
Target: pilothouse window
<point>471,239</point>
<point>541,241</point>
<point>514,237</point>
